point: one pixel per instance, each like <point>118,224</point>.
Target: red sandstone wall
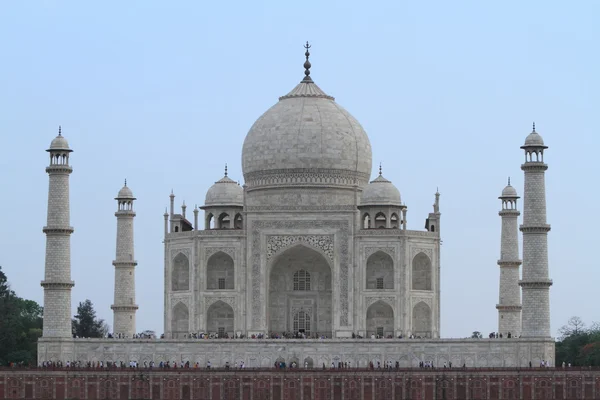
<point>526,384</point>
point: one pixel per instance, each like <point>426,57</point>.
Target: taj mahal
<point>310,260</point>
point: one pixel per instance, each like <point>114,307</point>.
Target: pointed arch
<point>219,319</point>
<point>180,320</point>
<point>180,273</point>
<point>220,272</point>
<point>209,222</point>
<point>366,221</point>
<point>380,271</point>
<point>380,319</point>
<point>224,221</point>
<point>421,272</point>
<point>421,320</point>
<point>284,303</point>
<point>380,221</point>
<point>394,221</point>
<point>238,221</point>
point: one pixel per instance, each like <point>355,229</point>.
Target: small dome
<point>381,192</point>
<point>59,143</point>
<point>534,139</point>
<point>509,191</point>
<point>225,192</point>
<point>125,193</point>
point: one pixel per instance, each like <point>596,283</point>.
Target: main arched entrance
<point>300,294</point>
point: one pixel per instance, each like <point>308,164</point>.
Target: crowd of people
<point>279,364</point>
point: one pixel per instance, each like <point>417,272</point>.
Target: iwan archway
<point>300,294</point>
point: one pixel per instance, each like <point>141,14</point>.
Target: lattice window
<point>221,332</point>
<point>302,322</point>
<point>221,283</point>
<point>301,280</point>
<point>380,331</point>
<point>379,283</point>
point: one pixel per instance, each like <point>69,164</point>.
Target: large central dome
<point>306,139</point>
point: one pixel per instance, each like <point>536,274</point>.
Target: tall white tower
<point>509,304</point>
<point>124,306</point>
<point>57,281</point>
<point>535,282</point>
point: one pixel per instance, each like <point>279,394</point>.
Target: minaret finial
<point>307,65</point>
<point>225,169</point>
<point>125,181</point>
<point>379,169</point>
<point>59,130</point>
<point>534,126</point>
<point>509,181</point>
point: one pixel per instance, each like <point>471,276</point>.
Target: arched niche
<point>380,319</point>
<point>180,321</point>
<point>180,273</point>
<point>380,220</point>
<point>238,221</point>
<point>421,272</point>
<point>394,221</point>
<point>220,272</point>
<point>380,271</point>
<point>421,320</point>
<point>366,221</point>
<point>300,292</point>
<point>224,221</point>
<point>219,319</point>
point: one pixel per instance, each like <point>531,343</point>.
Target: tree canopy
<point>577,344</point>
<point>85,324</point>
<point>20,326</point>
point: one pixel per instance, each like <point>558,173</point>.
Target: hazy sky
<point>163,94</point>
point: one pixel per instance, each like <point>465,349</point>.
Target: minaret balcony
<point>542,228</point>
<point>510,263</point>
<point>536,284</point>
<point>57,285</point>
<point>534,166</point>
<point>509,308</point>
<point>124,264</point>
<point>59,168</point>
<point>58,231</point>
<point>129,307</point>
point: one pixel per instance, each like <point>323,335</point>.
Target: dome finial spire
<point>125,181</point>
<point>307,65</point>
<point>533,126</point>
<point>225,169</point>
<point>59,130</point>
<point>380,169</point>
<point>509,181</point>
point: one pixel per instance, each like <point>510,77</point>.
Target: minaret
<point>57,281</point>
<point>535,283</point>
<point>509,305</point>
<point>124,306</point>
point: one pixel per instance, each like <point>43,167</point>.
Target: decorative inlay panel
<point>184,251</point>
<point>277,243</point>
<point>372,250</point>
<point>417,300</point>
<point>374,299</point>
<point>258,297</point>
<point>209,301</point>
<point>416,250</point>
<point>209,251</point>
<point>185,300</point>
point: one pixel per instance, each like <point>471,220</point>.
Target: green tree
<point>20,325</point>
<point>85,324</point>
<point>578,345</point>
<point>476,335</point>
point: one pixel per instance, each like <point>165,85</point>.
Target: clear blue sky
<point>163,93</point>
